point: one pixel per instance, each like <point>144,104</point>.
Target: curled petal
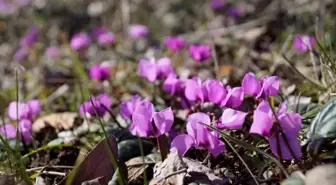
<point>214,91</point>
<point>148,70</point>
<point>215,146</point>
<point>127,107</point>
<point>8,130</point>
<point>21,108</point>
<point>141,125</point>
<point>251,84</point>
<point>290,123</point>
<point>279,142</point>
<point>232,119</point>
<point>234,98</point>
<point>105,100</point>
<point>163,121</point>
<point>173,85</point>
<point>262,120</point>
<point>25,125</point>
<point>164,67</point>
<point>270,86</point>
<point>195,129</point>
<point>34,107</point>
<point>182,143</point>
<point>191,90</point>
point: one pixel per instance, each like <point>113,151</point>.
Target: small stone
<point>323,174</point>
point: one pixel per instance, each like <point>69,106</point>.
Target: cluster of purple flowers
<point>279,132</point>
<point>218,5</point>
<point>25,113</point>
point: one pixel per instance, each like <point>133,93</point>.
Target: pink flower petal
<point>182,143</point>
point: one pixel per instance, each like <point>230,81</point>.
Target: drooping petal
<point>232,119</point>
<point>196,129</point>
<point>25,125</point>
<point>163,121</point>
<point>21,108</point>
<point>251,84</point>
<point>148,70</point>
<point>142,117</point>
<point>34,107</point>
<point>290,123</point>
<point>234,98</point>
<point>182,143</point>
<point>105,100</point>
<point>279,142</point>
<point>127,107</point>
<point>173,85</point>
<point>191,90</point>
<point>215,145</point>
<point>8,130</point>
<point>262,120</point>
<point>164,67</point>
<point>214,91</point>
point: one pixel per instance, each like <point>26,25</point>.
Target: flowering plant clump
<point>100,104</point>
<point>80,41</point>
<point>138,31</point>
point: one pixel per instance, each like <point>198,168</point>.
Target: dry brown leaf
<point>134,172</point>
<point>96,164</point>
<point>64,120</point>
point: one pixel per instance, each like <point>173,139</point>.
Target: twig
<point>53,173</point>
<point>55,167</point>
<point>184,170</point>
<point>143,163</point>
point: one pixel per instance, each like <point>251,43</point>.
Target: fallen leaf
<point>95,181</point>
<point>136,168</point>
<point>96,164</point>
<point>64,120</point>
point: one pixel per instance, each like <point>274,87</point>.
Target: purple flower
<point>290,123</point>
<point>146,122</point>
<point>28,110</point>
<point>30,38</point>
<point>80,41</point>
<point>234,97</point>
<point>268,86</point>
<point>200,53</point>
<point>52,52</point>
<point>101,103</point>
<point>100,73</point>
<point>7,8</point>
<point>99,31</point>
<point>210,90</point>
<point>154,70</point>
<point>127,107</point>
<point>173,85</point>
<point>235,12</point>
<point>198,136</point>
<point>25,129</point>
<point>137,31</point>
<point>8,130</point>
<point>232,119</point>
<point>304,43</point>
<point>107,38</point>
<point>175,43</point>
<point>21,54</point>
<point>217,4</point>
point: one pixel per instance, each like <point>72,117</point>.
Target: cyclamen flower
<point>107,38</point>
<point>30,38</point>
<point>154,70</point>
<point>80,41</point>
<point>21,54</point>
<point>263,121</point>
<point>128,107</point>
<point>304,43</point>
<point>267,86</point>
<point>99,31</point>
<point>137,31</point>
<point>25,129</point>
<point>146,122</point>
<point>52,52</point>
<point>101,103</point>
<point>232,119</point>
<point>210,90</point>
<point>28,110</point>
<point>200,53</point>
<point>175,43</point>
<point>198,136</point>
<point>100,73</point>
<point>217,4</point>
<point>234,97</point>
<point>173,85</point>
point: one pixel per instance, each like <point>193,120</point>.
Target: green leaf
<point>324,124</point>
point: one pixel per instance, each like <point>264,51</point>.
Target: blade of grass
<point>143,160</point>
<point>45,148</point>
